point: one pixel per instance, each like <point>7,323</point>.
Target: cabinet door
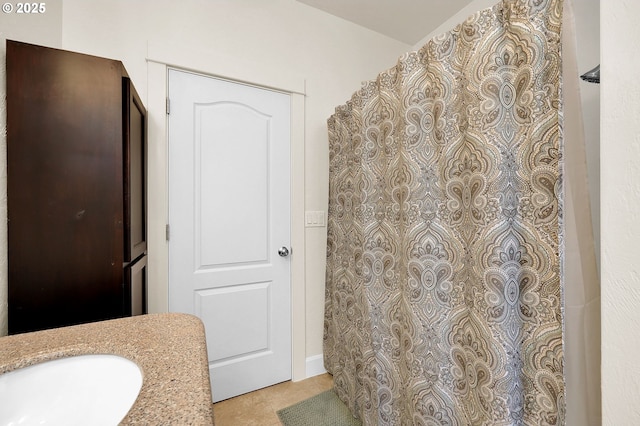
<point>136,288</point>
<point>135,132</point>
<point>64,187</point>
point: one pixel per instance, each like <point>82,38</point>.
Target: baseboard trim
<point>315,366</point>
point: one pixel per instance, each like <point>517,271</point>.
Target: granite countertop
<point>170,350</point>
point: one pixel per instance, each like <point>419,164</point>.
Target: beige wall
<point>620,223</point>
<point>44,29</point>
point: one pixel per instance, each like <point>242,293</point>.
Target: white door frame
<point>158,63</point>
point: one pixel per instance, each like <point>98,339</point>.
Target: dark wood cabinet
<point>134,137</point>
<point>76,141</point>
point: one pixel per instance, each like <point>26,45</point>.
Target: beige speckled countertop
<point>170,350</point>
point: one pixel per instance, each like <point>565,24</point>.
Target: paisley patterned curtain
<point>443,292</point>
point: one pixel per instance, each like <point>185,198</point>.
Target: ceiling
<point>408,21</point>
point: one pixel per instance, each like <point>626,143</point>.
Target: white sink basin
<point>79,390</point>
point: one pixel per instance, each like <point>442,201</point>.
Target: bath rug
<point>324,409</point>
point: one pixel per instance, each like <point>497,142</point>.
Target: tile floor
<point>259,408</point>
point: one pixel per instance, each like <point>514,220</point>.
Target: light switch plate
<point>314,218</point>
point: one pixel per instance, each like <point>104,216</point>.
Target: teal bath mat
<point>324,409</point>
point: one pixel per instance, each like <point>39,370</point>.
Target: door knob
<point>283,252</point>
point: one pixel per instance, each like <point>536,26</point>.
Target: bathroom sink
<point>78,390</point>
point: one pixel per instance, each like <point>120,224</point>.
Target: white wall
<point>44,29</point>
<point>459,17</point>
<point>587,25</point>
<point>620,225</point>
<point>275,42</point>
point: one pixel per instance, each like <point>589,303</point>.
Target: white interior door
<point>229,216</point>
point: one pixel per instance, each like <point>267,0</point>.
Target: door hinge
<point>168,106</point>
<point>166,231</point>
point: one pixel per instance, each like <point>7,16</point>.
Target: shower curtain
<point>443,287</point>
